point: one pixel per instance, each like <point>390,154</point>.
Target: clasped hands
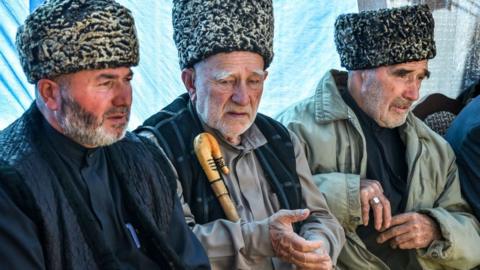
<point>293,248</point>
<point>405,231</point>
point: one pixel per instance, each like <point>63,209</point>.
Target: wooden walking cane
<point>210,158</point>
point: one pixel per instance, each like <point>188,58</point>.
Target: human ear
<point>49,92</point>
<point>188,78</point>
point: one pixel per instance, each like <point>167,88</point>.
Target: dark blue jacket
<point>464,136</point>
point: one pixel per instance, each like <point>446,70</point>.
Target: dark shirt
<point>99,188</point>
<point>21,247</point>
<point>385,163</point>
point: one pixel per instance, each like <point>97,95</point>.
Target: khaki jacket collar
<point>329,104</point>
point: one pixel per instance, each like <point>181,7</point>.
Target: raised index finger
<point>365,204</point>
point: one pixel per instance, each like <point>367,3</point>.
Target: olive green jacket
<point>335,148</point>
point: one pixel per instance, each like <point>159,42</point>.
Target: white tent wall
<point>15,92</point>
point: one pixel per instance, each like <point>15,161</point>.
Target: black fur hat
<point>204,28</point>
<point>371,39</point>
<point>66,36</point>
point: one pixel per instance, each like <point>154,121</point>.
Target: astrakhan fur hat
<point>66,36</point>
<point>204,28</point>
<point>385,37</point>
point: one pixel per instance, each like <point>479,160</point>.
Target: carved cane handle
<point>210,158</point>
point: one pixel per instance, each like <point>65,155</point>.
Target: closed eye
<point>401,73</point>
<point>225,82</point>
<point>106,83</point>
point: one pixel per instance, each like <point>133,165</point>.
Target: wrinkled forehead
<point>237,60</point>
<point>417,67</point>
<point>420,64</point>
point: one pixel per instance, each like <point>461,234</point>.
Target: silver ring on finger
<point>375,200</point>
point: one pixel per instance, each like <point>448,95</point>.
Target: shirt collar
<point>329,105</point>
<point>68,148</point>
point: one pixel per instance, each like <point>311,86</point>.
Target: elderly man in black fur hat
<point>225,48</point>
<point>76,190</point>
<point>390,180</point>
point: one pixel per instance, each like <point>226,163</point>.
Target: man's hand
<point>371,195</point>
<point>411,230</point>
<point>292,248</point>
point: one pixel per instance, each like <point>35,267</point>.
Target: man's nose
<point>123,95</point>
<point>240,94</point>
<point>413,90</point>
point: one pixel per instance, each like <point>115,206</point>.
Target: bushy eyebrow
<point>427,73</point>
<point>404,71</point>
<point>221,75</point>
<point>110,76</point>
<point>260,72</point>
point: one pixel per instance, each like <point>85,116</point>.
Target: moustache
<point>117,110</point>
<point>237,109</point>
<point>402,103</point>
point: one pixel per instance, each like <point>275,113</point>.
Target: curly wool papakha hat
<point>204,28</point>
<point>382,37</point>
<point>66,36</point>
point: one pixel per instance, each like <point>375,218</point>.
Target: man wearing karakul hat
<point>76,190</point>
<point>390,180</point>
<point>225,47</point>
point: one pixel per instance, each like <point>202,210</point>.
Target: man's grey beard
<point>84,127</point>
<point>373,94</point>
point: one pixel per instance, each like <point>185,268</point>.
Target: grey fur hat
<point>204,28</point>
<point>371,39</point>
<point>66,36</point>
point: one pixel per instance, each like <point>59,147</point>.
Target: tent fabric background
<point>303,49</point>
